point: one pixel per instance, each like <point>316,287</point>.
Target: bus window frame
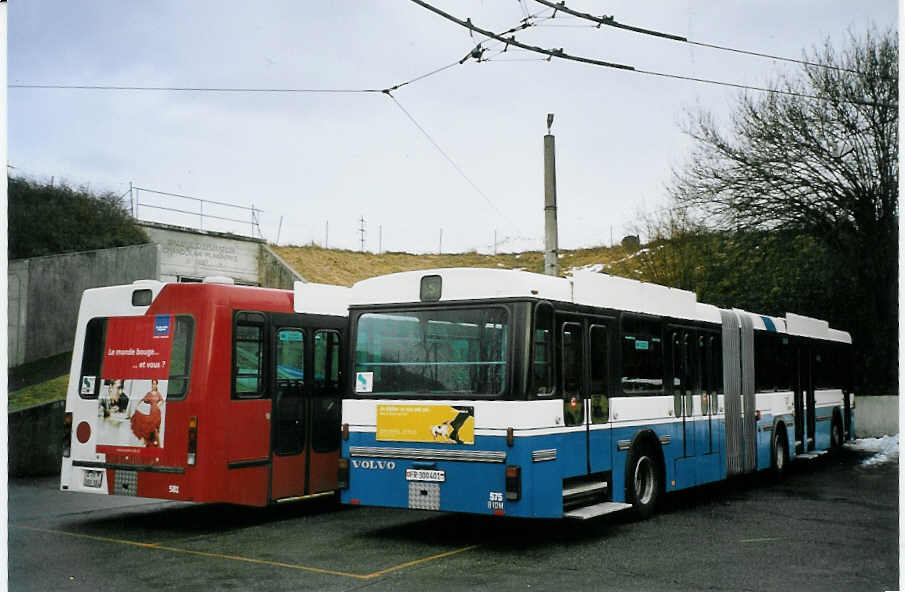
<point>620,391</point>
<point>263,391</point>
<point>552,361</point>
<point>189,357</point>
<point>318,390</point>
<point>507,392</point>
<point>100,363</point>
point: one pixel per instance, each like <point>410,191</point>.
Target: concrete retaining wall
<point>876,416</point>
<point>45,306</point>
<point>275,272</point>
<point>36,440</point>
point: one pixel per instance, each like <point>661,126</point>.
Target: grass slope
<point>42,392</point>
<point>344,268</point>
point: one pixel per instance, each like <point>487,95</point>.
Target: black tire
<point>644,481</point>
<point>836,435</point>
<point>779,456</point>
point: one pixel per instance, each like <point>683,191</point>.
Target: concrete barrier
<point>876,416</point>
<point>36,439</point>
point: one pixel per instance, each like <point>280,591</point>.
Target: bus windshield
<point>431,351</point>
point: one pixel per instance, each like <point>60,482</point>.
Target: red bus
<point>206,392</point>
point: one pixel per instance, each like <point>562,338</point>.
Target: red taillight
<point>193,441</point>
<point>67,434</point>
<point>83,432</point>
<point>345,429</point>
<point>513,483</point>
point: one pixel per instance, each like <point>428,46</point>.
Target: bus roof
<point>584,288</point>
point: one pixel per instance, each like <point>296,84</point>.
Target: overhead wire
<point>610,21</point>
<point>448,158</point>
<point>560,54</point>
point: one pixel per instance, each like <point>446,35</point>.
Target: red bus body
<point>254,422</point>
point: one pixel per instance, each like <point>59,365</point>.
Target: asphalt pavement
<point>831,524</point>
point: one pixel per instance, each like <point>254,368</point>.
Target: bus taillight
<point>67,434</point>
<point>193,440</point>
<point>345,431</point>
<point>343,473</point>
<point>513,483</point>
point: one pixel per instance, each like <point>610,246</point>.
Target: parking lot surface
<point>831,524</point>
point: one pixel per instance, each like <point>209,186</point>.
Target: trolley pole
<point>551,238</point>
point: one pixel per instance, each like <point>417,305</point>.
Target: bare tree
<point>819,157</point>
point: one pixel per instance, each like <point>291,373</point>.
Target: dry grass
<point>344,268</point>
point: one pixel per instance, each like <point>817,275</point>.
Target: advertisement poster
<point>425,423</point>
<point>131,404</point>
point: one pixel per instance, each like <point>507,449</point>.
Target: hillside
<point>331,266</point>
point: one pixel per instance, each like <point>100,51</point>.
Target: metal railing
<point>253,220</point>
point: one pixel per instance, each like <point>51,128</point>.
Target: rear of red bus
<point>159,403</point>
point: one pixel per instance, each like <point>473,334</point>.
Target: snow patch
<point>592,267</point>
<point>885,449</point>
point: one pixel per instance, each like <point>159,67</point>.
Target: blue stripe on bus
<point>768,323</point>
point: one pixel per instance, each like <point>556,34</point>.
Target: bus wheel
<point>836,434</point>
<point>780,453</point>
<point>644,482</point>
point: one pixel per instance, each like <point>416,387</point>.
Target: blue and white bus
<point>513,393</point>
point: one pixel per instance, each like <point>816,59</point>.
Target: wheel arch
<point>646,437</point>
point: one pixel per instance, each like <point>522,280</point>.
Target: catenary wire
<point>449,159</point>
<point>611,22</point>
<point>559,53</point>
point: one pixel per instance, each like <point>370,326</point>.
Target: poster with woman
<point>132,399</point>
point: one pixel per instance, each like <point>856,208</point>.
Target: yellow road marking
<point>763,540</point>
<point>319,570</point>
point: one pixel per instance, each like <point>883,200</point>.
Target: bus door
<point>600,436</point>
<point>685,386</point>
<point>572,362</point>
<point>325,411</point>
<point>290,416</point>
<point>306,410</point>
<point>804,401</point>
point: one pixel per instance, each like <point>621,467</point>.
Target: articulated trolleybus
<point>206,392</point>
<point>512,393</point>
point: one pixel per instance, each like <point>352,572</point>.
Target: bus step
<point>811,454</point>
<point>576,489</point>
<point>596,510</point>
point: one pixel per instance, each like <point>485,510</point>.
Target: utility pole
<point>551,238</point>
<point>327,234</point>
<point>131,200</point>
<point>361,229</point>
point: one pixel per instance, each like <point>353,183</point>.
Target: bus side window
<point>599,367</point>
<point>181,358</point>
<point>92,358</point>
<point>248,355</point>
<point>327,346</point>
<point>642,356</point>
<point>542,362</point>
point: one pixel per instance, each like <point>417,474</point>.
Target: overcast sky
<point>316,158</point>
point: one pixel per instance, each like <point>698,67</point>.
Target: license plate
<point>425,475</point>
<point>93,478</point>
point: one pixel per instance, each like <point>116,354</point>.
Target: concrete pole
<point>551,237</point>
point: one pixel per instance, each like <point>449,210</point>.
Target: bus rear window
<point>181,358</point>
<point>92,358</point>
<point>431,352</point>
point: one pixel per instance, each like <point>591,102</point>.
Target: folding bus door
<point>574,441</point>
<point>290,415</point>
<point>325,411</point>
<point>600,434</point>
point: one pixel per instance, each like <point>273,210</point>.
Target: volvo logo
<point>374,465</point>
